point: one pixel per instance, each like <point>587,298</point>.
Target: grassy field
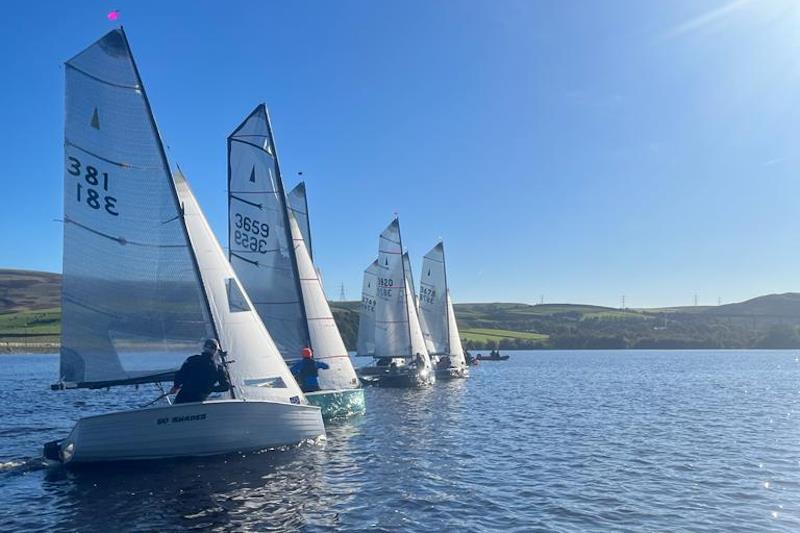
<point>38,322</point>
<point>488,334</point>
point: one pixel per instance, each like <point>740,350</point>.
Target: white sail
<point>433,301</point>
<point>366,315</point>
<point>325,338</point>
<point>298,205</point>
<point>456,350</point>
<point>258,233</point>
<point>257,370</point>
<point>132,304</point>
<point>397,329</point>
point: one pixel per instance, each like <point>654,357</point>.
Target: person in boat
<point>444,362</point>
<point>200,375</point>
<point>306,371</point>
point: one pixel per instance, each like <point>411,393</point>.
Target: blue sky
<point>576,150</point>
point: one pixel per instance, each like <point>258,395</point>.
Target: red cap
<point>307,353</point>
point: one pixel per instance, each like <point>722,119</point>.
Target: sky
<point>565,151</point>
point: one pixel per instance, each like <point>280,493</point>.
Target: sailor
<point>419,360</point>
<point>200,375</point>
<point>306,371</point>
<point>444,362</point>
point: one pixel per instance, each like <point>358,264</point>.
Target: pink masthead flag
<point>113,15</point>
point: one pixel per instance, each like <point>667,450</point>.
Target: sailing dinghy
<point>268,237</point>
<point>438,319</point>
<point>365,344</point>
<point>144,281</point>
<point>401,356</point>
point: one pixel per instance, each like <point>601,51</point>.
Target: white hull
<point>452,373</point>
<point>190,430</point>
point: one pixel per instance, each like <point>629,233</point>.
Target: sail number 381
<point>92,188</point>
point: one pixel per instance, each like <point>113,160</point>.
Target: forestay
<point>256,368</point>
<point>325,338</point>
<point>298,205</point>
<point>258,233</point>
<point>397,328</point>
<point>433,302</point>
<point>366,316</point>
<point>132,304</point>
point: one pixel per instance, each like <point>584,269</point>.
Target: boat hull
<point>190,430</point>
<point>400,378</point>
<point>501,358</point>
<point>338,403</point>
<point>452,373</point>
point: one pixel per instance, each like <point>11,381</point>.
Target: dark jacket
<point>199,376</point>
<point>306,371</point>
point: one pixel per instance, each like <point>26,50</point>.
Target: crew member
<point>306,371</point>
<point>200,375</point>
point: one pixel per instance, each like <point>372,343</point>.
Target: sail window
<point>236,300</point>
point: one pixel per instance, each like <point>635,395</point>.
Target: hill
<point>30,320</point>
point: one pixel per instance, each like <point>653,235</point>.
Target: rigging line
<point>101,80</point>
<point>260,206</point>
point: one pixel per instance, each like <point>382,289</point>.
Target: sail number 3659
<point>92,188</point>
<point>250,233</point>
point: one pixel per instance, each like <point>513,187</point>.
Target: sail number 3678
<point>92,188</point>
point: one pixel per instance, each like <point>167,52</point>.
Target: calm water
<point>548,441</point>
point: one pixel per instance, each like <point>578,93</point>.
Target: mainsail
<point>366,316</point>
<point>258,233</point>
<point>397,328</point>
<point>298,205</point>
<point>256,368</point>
<point>324,335</point>
<point>432,301</point>
<point>132,304</point>
<point>436,308</point>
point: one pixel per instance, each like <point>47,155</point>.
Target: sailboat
<point>365,345</point>
<point>144,281</point>
<point>401,356</point>
<point>268,248</point>
<point>438,319</point>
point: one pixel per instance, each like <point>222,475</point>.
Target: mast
<point>178,204</point>
<point>289,240</point>
<point>446,298</point>
<point>405,288</point>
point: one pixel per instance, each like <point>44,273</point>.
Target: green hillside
<point>30,320</point>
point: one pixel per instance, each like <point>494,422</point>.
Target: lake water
<point>547,441</point>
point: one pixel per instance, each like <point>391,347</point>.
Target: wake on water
<point>22,465</point>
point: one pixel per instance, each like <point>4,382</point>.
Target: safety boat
<point>145,280</point>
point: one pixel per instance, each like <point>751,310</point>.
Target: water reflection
<point>264,491</point>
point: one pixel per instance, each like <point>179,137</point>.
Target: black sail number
<point>385,286</point>
<point>93,187</point>
<point>251,234</point>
